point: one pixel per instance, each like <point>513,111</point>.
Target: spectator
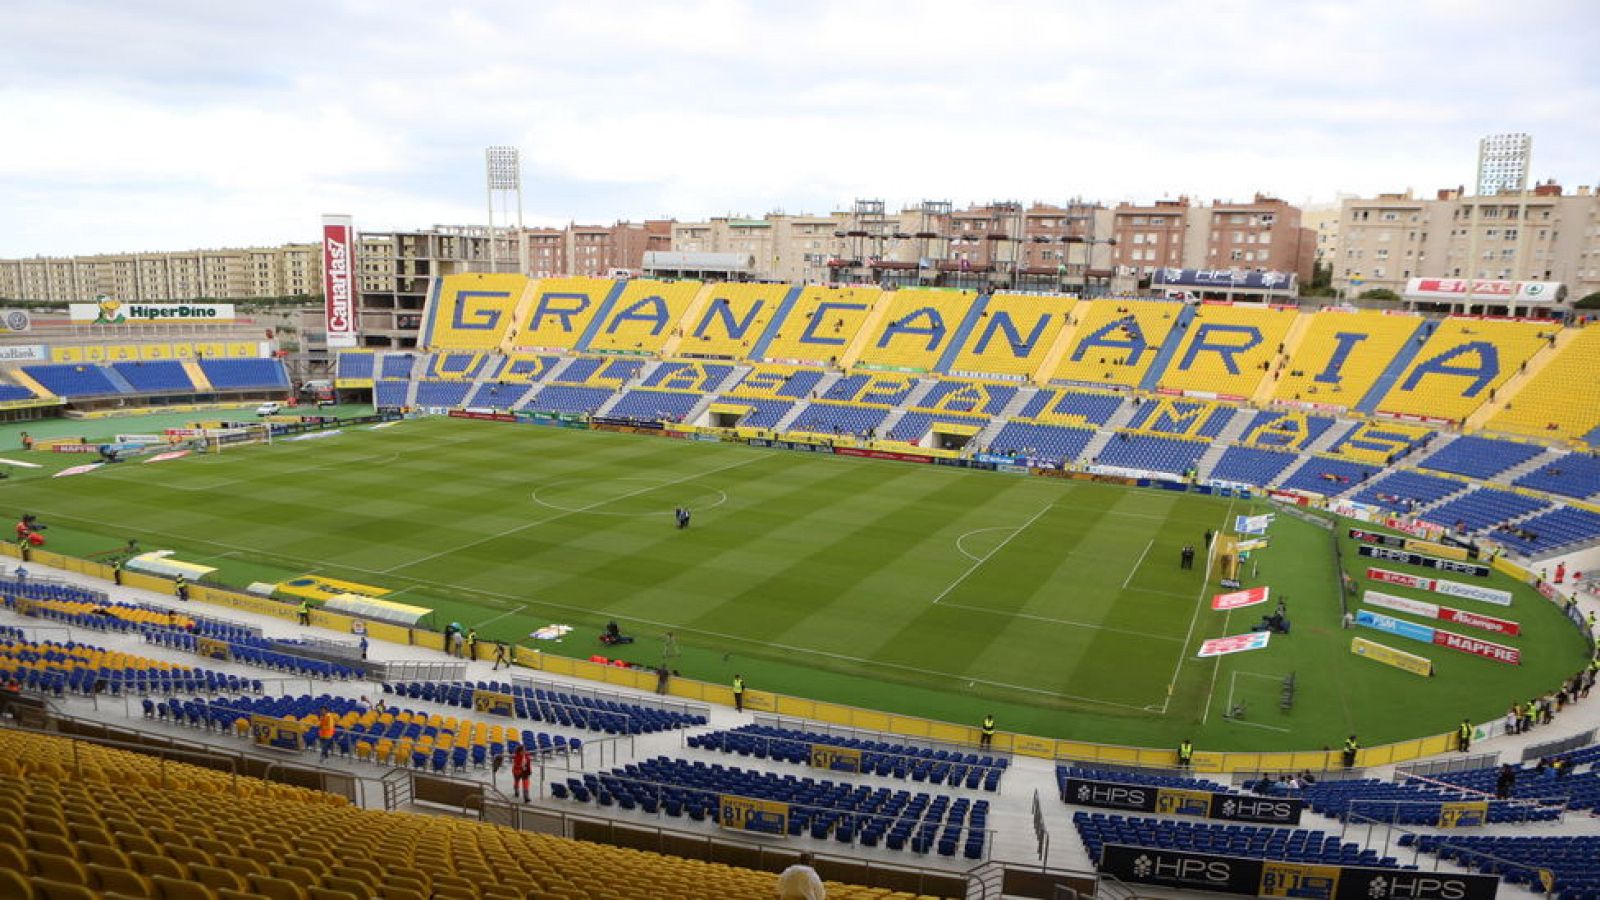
<point>801,881</point>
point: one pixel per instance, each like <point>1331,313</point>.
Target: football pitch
<point>1058,605</point>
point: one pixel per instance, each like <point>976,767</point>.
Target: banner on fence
<point>749,814</point>
<point>835,759</point>
<point>493,703</point>
<point>1389,656</point>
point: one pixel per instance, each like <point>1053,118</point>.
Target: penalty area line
<point>509,612</point>
<point>990,555</point>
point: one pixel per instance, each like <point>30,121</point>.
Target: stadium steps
<point>1397,367</point>
<point>1511,475</point>
<point>1019,402</point>
<point>554,374</point>
<point>1209,459</point>
<point>889,422</point>
<point>1507,392</point>
<point>1327,439</point>
<point>759,351</point>
<point>1420,459</point>
<point>699,408</point>
<point>1291,345</point>
<point>1453,495</point>
<point>197,375</point>
<point>411,393</point>
<point>870,329</point>
<point>826,383</point>
<point>1122,416</point>
<point>604,409</point>
<point>1169,349</point>
<point>783,424</point>
<point>1051,361</point>
<point>1242,419</point>
<point>122,385</point>
<point>645,371</point>
<point>601,315</point>
<point>914,399</point>
<point>1300,459</point>
<point>697,308</point>
<point>1091,450</point>
<point>952,349</point>
<point>730,381</point>
<point>28,381</point>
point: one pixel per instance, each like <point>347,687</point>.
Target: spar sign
<point>1239,599</point>
<point>1444,613</point>
<point>339,280</point>
<point>1441,586</point>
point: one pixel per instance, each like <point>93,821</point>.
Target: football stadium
<point>638,587</point>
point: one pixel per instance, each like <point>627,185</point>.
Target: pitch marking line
<point>1094,625</point>
<point>582,509</point>
<point>1001,546</point>
<point>1138,563</point>
<point>1199,602</point>
<point>961,547</point>
<point>509,612</point>
<point>722,498</point>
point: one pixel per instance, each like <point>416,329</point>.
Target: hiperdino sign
<point>115,312</point>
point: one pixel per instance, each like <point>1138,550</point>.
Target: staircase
<point>1549,456</point>
<point>1018,403</point>
<point>733,379</point>
<point>1439,443</point>
<point>1453,495</point>
<point>1169,349</point>
<point>1335,433</point>
<point>115,377</point>
<point>1091,450</point>
<point>604,409</point>
<point>197,375</point>
<point>698,409</point>
<point>914,399</point>
<point>1122,416</point>
<point>554,373</point>
<point>1300,459</point>
<point>985,438</point>
<point>1291,344</point>
<point>1242,419</point>
<point>826,383</point>
<point>29,382</point>
<point>1209,459</point>
<point>789,417</point>
<point>411,393</point>
<point>1397,366</point>
<point>889,422</point>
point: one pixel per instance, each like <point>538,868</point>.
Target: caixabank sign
<point>1182,802</point>
<point>1184,870</point>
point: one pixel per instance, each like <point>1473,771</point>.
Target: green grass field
<point>932,591</point>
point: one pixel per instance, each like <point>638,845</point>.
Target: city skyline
<point>191,125</point>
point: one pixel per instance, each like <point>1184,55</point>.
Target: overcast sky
<point>172,124</point>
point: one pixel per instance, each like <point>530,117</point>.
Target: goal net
<point>234,437</point>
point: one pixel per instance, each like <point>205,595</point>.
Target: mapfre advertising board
<point>339,280</point>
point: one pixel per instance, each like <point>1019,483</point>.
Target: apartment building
<point>1543,234</point>
<point>290,270</point>
<point>593,249</point>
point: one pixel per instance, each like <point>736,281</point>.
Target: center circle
<point>627,496</point>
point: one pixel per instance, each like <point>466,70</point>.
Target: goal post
<point>216,439</point>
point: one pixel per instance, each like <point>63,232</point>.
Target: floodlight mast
<point>503,182</point>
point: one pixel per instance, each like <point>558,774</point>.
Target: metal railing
<point>648,701</point>
<point>421,670</point>
<point>1502,864</point>
<point>1551,748</point>
<point>1446,765</point>
<point>881,736</point>
<point>768,742</point>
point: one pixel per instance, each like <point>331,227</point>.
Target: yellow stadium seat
<point>121,880</point>
<point>1228,349</point>
<point>352,886</point>
<point>56,867</point>
<point>1116,340</point>
<point>644,315</point>
<point>1013,335</point>
<point>152,866</point>
<point>11,857</point>
<point>917,329</point>
<point>51,843</point>
<point>174,889</point>
<point>559,313</point>
<point>1461,365</point>
<point>734,318</point>
<point>821,324</point>
<point>50,889</point>
<point>472,311</point>
<point>217,877</point>
<point>104,855</point>
<point>1560,400</point>
<point>277,888</point>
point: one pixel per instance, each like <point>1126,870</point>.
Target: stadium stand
<point>563,398</point>
<point>1186,418</point>
<point>71,381</point>
<point>1461,365</point>
<point>1068,771</point>
<point>600,372</point>
<point>1405,803</point>
<point>1573,475</point>
<point>245,374</point>
<point>1013,335</point>
<point>1407,492</point>
<point>442,393</point>
<point>354,365</point>
<point>1381,442</point>
<point>83,669</point>
<point>881,758</point>
<point>1555,529</point>
<point>733,320</point>
<point>397,365</point>
<point>1479,457</point>
<point>985,398</point>
<point>390,394</point>
<point>10,392</point>
<point>890,390</point>
<point>472,311</point>
<point>653,406</point>
<point>180,831</point>
<point>778,381</point>
<point>1228,349</point>
<point>1152,453</point>
<point>644,316</point>
<point>688,376</point>
<point>1248,841</point>
<point>914,426</point>
<point>456,366</point>
<point>1286,430</point>
<point>845,812</point>
<point>156,377</point>
<point>820,325</point>
<point>839,419</point>
<point>521,369</point>
<point>1250,465</point>
<point>1481,509</point>
<point>1048,443</point>
<point>919,326</point>
<point>1342,355</point>
<point>561,311</point>
<point>1579,791</point>
<point>495,395</point>
<point>1061,406</point>
<point>1570,859</point>
<point>1117,341</point>
<point>1322,475</point>
<point>1560,400</point>
<point>572,710</point>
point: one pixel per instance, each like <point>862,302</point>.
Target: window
<point>1383,254</point>
<point>1264,238</point>
<point>1491,233</point>
<point>1236,219</point>
<point>1236,255</point>
<point>1139,220</point>
<point>1377,272</point>
<point>1511,234</point>
<point>1238,237</point>
<point>1390,216</point>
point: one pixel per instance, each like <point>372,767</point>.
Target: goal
<point>236,436</point>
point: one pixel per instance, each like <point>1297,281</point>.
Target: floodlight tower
<point>503,182</point>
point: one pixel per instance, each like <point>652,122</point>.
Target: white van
<point>268,409</point>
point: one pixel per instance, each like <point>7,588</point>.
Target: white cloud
<point>184,123</point>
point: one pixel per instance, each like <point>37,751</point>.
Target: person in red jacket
<point>521,772</point>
